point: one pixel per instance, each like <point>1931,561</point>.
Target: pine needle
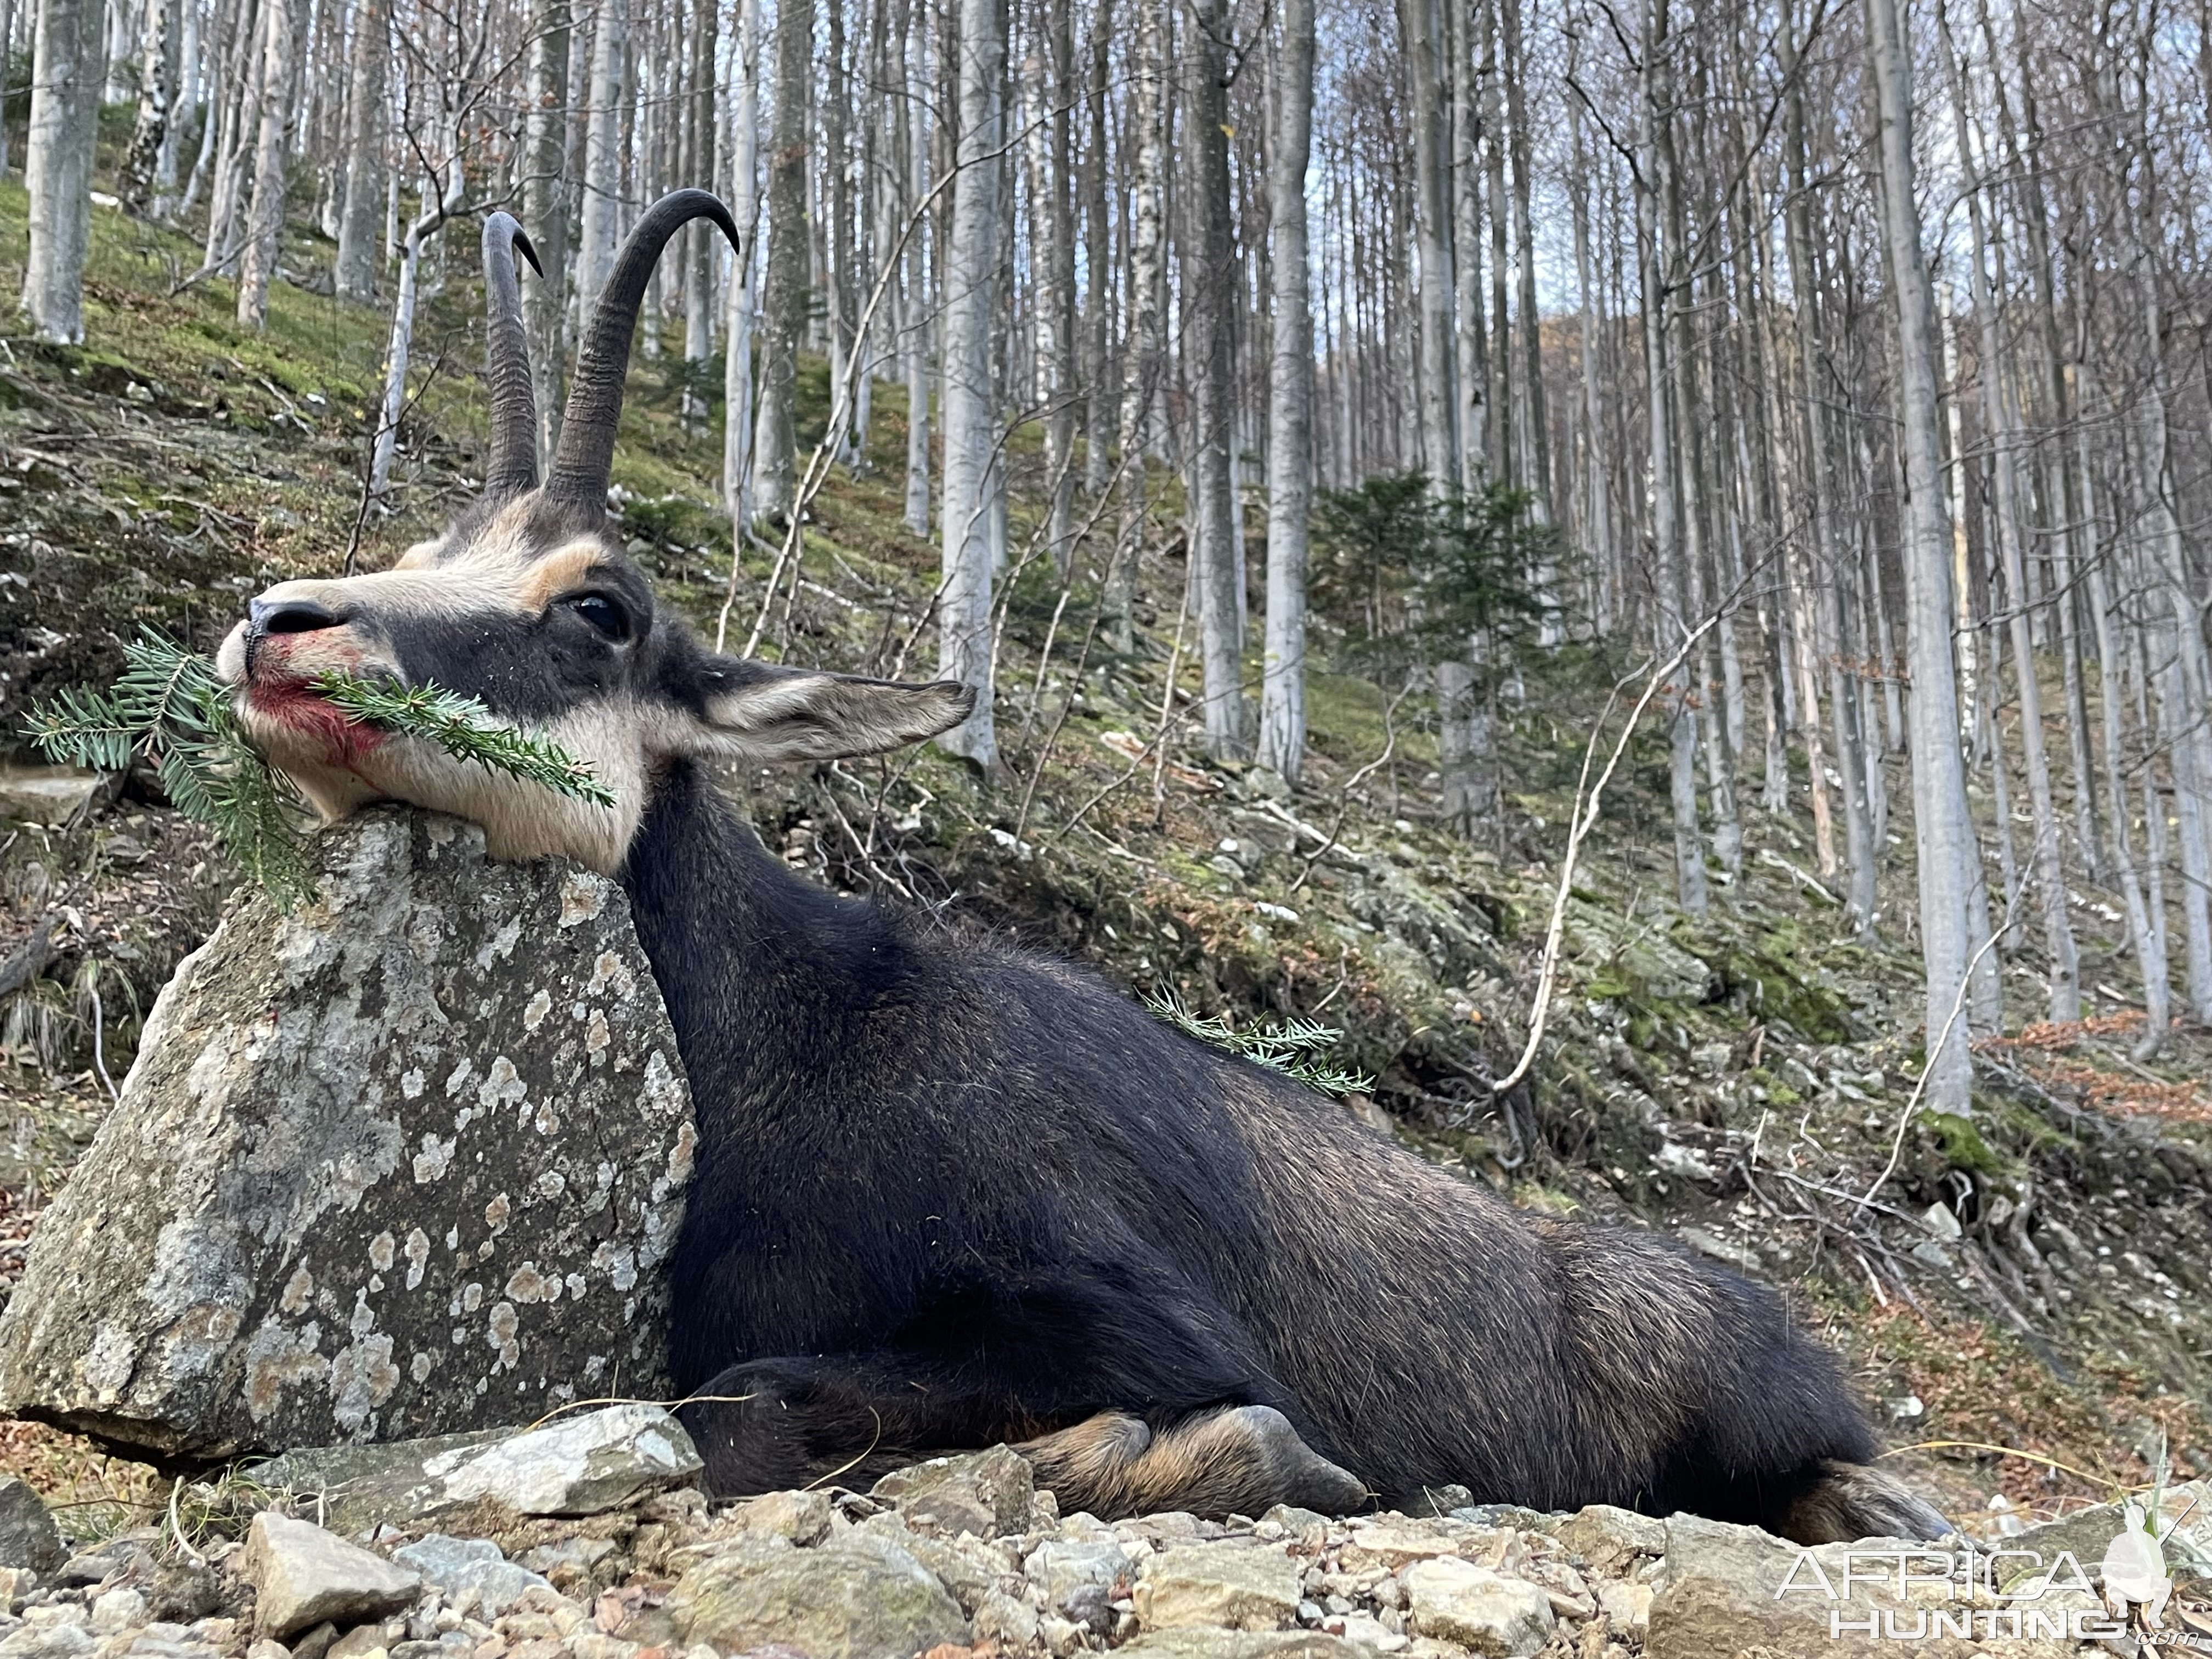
<point>464,729</point>
<point>170,710</point>
<point>1295,1048</point>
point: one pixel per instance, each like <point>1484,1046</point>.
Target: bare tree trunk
<point>1209,278</point>
<point>1944,832</point>
<point>280,61</point>
<point>355,276</point>
<point>1536,470</point>
<point>2183,687</point>
<point>738,361</point>
<point>546,207</point>
<point>774,439</point>
<point>1472,365</point>
<point>1431,112</point>
<point>1655,107</point>
<point>2064,968</point>
<point>157,94</point>
<point>1098,417</point>
<point>920,313</point>
<point>239,119</point>
<point>1289,408</point>
<point>7,70</point>
<point>600,219</point>
<point>1140,356</point>
<point>1597,504</point>
<point>972,481</point>
<point>702,241</point>
<point>66,72</point>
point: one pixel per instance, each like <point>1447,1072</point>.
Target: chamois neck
<point>761,970</point>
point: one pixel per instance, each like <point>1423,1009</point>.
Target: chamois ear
<point>766,711</point>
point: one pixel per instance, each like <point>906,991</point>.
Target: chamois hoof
<point>1847,1502</point>
<point>1294,1472</point>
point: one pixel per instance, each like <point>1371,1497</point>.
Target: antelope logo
<point>2135,1566</point>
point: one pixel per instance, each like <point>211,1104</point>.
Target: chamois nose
<point>290,616</point>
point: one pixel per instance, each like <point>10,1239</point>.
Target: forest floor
<point>1742,1079</point>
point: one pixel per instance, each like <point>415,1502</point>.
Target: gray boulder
<point>408,1162</point>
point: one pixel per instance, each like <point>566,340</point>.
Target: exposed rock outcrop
<point>405,1162</point>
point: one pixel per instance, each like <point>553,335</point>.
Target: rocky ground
<point>583,1543</point>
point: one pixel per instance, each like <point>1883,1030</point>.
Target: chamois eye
<point>603,613</point>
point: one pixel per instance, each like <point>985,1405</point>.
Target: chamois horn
<point>512,469</point>
<point>587,430</point>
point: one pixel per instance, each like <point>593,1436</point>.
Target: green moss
<point>1961,1144</point>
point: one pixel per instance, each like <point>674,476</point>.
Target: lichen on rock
<point>407,1162</point>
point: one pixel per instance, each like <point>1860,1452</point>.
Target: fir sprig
<point>1296,1047</point>
<point>170,708</point>
<point>464,729</point>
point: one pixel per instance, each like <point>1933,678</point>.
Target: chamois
<point>950,1192</point>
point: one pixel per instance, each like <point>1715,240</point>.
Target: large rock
<point>408,1162</point>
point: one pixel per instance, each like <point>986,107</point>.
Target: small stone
<point>470,1567</point>
<point>125,1553</point>
<point>1395,1542</point>
<point>316,1643</point>
<point>266,1648</point>
<point>117,1609</point>
<point>1005,1619</point>
<point>801,1517</point>
<point>363,1642</point>
<point>1233,1584</point>
<point>1610,1538</point>
<point>28,1537</point>
<point>1076,1576</point>
<point>984,1492</point>
<point>1485,1612</point>
<point>855,1597</point>
<point>1625,1606</point>
<point>1201,1641</point>
<point>305,1576</point>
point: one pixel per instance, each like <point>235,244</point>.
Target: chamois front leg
<point>1237,1460</point>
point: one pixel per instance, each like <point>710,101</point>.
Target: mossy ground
<point>1743,1075</point>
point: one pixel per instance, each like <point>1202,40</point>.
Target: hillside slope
<point>1742,1079</point>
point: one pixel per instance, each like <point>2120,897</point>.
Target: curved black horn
<point>587,430</point>
<point>513,468</point>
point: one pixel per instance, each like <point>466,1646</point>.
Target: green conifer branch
<point>1294,1048</point>
<point>169,708</point>
<point>464,729</point>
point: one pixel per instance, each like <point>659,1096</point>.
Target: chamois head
<point>528,604</point>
